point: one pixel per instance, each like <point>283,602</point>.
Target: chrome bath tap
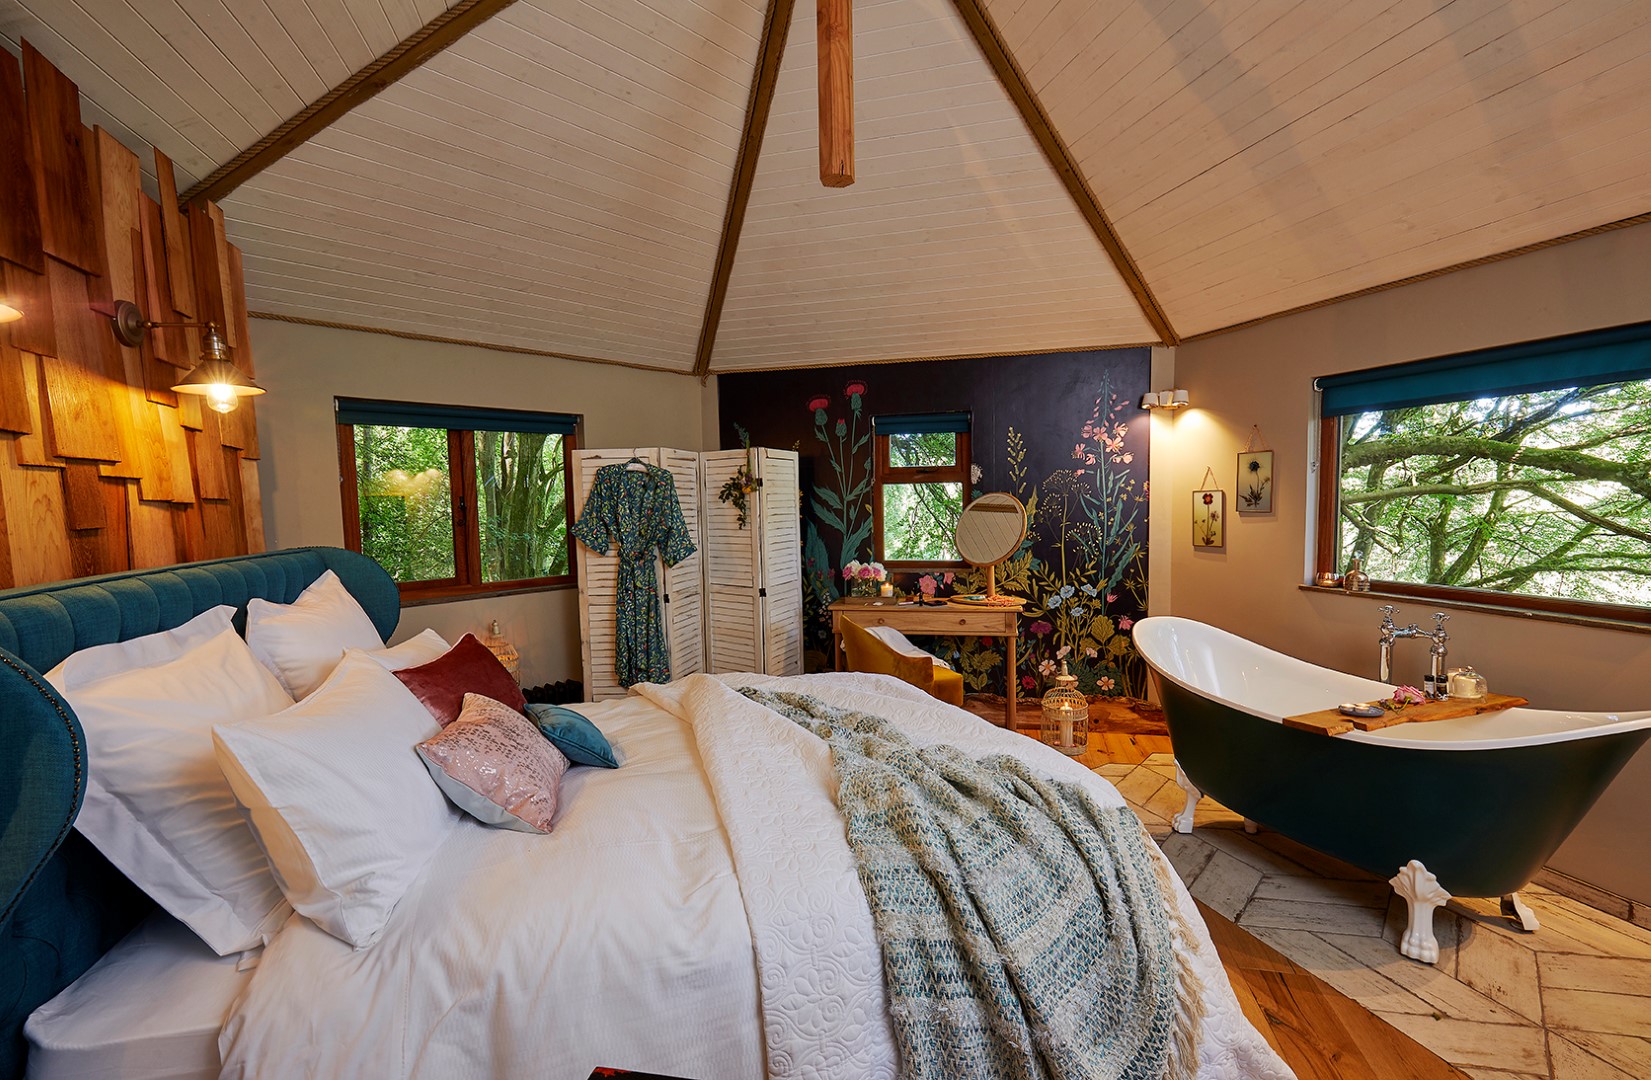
<point>1391,632</point>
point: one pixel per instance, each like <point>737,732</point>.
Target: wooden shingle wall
<point>102,466</point>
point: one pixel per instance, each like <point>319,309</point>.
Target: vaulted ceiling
<point>635,181</point>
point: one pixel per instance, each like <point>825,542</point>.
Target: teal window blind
<point>920,423</point>
<point>453,417</point>
<point>1620,354</point>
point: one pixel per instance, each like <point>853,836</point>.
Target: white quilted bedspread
<point>820,969</point>
<point>695,912</point>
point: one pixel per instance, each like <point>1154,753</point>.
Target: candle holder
<point>1066,716</point>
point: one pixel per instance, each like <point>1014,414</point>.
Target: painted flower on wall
<point>854,391</point>
<point>1040,628</point>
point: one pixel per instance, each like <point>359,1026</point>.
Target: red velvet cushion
<point>466,668</point>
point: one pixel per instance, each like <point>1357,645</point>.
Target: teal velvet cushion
<point>574,736</point>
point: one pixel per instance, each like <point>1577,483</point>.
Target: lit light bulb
<point>221,397</point>
<point>8,311</point>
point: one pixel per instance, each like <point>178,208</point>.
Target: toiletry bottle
<point>1355,580</point>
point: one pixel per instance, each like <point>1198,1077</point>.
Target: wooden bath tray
<point>1331,722</point>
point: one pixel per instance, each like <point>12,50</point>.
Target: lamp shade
<point>9,311</point>
<point>1178,399</point>
<point>220,382</point>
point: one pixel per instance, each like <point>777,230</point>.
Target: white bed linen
<point>619,939</point>
<point>149,1009</point>
<point>660,951</point>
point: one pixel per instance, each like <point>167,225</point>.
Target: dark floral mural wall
<point>1061,431</point>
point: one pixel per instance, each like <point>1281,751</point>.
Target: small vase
<point>862,587</point>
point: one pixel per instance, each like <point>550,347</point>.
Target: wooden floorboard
<point>1319,1032</point>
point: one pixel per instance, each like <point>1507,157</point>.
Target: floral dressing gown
<point>636,512</point>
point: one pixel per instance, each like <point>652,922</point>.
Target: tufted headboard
<point>61,904</point>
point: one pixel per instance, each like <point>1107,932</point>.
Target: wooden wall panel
<point>61,174</point>
<point>14,401</point>
<point>102,466</point>
<point>19,206</point>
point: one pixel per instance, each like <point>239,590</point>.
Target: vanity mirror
<point>990,530</point>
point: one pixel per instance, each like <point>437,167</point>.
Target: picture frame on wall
<point>1209,519</point>
<point>1255,482</point>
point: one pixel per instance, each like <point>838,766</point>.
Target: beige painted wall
<point>305,367</point>
<point>1263,376</point>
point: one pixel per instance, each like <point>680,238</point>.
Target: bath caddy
<point>1331,722</point>
<point>1469,806</point>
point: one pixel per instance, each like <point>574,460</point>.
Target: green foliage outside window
<point>521,485</point>
<point>406,501</point>
<point>918,520</point>
<point>1542,494</point>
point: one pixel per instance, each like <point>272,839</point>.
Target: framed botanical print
<point>1209,518</point>
<point>1255,482</point>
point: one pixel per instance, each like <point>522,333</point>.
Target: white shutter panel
<point>684,583</point>
<point>598,584</point>
<point>733,614</point>
<point>781,581</point>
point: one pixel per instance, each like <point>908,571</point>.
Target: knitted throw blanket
<point>1024,929</point>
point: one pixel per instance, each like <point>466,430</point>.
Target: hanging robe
<point>638,512</point>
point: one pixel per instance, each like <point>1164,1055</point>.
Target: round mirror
<point>989,530</point>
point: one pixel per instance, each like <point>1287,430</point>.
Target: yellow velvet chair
<point>866,652</point>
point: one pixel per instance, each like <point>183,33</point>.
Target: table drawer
<point>947,621</point>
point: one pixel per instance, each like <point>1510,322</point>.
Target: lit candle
<point>888,588</point>
<point>1066,730</point>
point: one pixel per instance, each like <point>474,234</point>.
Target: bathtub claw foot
<point>1183,820</point>
<point>1520,912</point>
<point>1422,892</point>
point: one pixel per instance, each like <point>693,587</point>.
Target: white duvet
<point>695,912</point>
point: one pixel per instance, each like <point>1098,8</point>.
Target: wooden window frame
<point>884,473</point>
<point>467,541</point>
<point>1327,548</point>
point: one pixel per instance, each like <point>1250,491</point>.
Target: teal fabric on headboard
<point>61,904</point>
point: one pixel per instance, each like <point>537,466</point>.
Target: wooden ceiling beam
<point>1060,158</point>
<point>775,28</point>
<point>413,50</point>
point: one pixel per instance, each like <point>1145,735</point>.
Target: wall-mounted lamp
<point>9,311</point>
<point>214,377</point>
<point>1165,399</point>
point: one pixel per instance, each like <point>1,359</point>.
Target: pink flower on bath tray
<point>1407,695</point>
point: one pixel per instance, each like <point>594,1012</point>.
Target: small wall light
<point>1165,399</point>
<point>9,311</point>
<point>214,377</point>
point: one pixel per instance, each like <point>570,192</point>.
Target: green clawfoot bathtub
<point>1466,807</point>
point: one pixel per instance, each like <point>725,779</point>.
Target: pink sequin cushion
<point>495,766</point>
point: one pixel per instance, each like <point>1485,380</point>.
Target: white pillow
<point>904,645</point>
<point>101,661</point>
<point>338,797</point>
<point>303,641</point>
<point>158,806</point>
<point>414,651</point>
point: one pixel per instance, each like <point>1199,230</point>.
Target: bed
<point>696,912</point>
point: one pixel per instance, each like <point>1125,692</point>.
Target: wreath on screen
<point>737,488</point>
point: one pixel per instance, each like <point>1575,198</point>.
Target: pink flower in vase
<point>867,573</point>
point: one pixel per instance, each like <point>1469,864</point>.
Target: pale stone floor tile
<point>1499,1074</point>
<point>1451,998</point>
<point>1595,898</point>
<point>1319,863</point>
<point>1162,759</point>
<point>1375,992</point>
<point>1328,918</point>
<point>1631,1055</point>
<point>1112,770</point>
<point>1241,847</point>
<point>1140,785</point>
<point>1168,801</point>
<point>1501,971</point>
<point>1593,1010</point>
<point>1512,1048</point>
<point>1572,916</point>
<point>1188,855</point>
<point>1485,914</point>
<point>1572,1062</point>
<point>1370,894</point>
<point>1209,812</point>
<point>1166,771</point>
<point>1226,884</point>
<point>1615,974</point>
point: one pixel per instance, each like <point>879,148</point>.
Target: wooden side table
<point>943,620</point>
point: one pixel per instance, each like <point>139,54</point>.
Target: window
<point>920,481</point>
<point>457,502</point>
<point>1514,477</point>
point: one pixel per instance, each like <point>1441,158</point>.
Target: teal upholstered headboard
<point>61,904</point>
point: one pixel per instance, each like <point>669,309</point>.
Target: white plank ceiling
<point>558,179</point>
<point>1260,155</point>
<point>205,79</point>
<point>956,237</point>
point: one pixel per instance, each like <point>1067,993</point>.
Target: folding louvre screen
<point>736,604</point>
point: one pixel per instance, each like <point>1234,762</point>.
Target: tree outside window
<point>920,485</point>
